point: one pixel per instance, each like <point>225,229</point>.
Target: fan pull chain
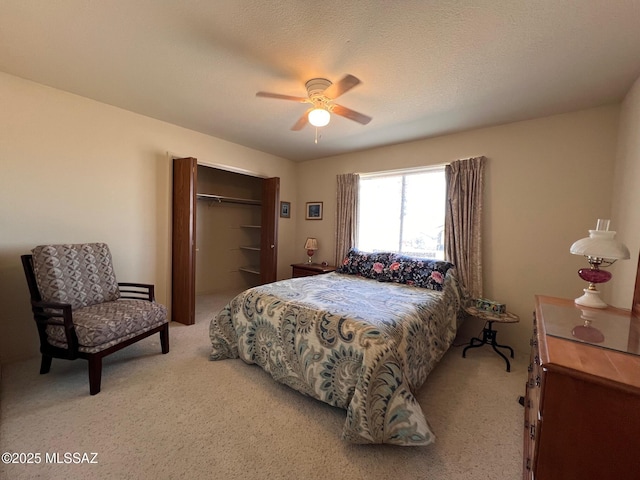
<point>316,135</point>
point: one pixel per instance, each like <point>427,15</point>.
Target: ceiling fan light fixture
<point>321,94</point>
<point>319,117</point>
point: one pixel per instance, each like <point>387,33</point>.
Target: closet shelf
<point>255,249</point>
<point>224,199</point>
<point>250,226</point>
<point>250,269</point>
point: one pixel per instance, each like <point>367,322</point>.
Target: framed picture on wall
<point>285,209</point>
<point>314,211</point>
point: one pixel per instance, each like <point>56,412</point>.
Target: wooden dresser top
<point>577,358</point>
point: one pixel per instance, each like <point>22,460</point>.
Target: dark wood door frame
<point>269,230</point>
<point>183,258</point>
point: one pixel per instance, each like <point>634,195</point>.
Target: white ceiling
<point>427,67</point>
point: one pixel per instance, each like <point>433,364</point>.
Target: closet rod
<point>223,199</point>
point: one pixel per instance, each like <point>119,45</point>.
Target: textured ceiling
<point>427,67</point>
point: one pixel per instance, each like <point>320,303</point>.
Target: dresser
<point>308,269</point>
<point>582,402</point>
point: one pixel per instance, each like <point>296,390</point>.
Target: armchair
<point>81,311</point>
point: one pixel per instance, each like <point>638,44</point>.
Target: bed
<point>363,338</point>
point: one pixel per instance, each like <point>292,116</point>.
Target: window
<point>403,212</point>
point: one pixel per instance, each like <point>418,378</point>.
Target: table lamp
<point>311,245</point>
<point>601,250</point>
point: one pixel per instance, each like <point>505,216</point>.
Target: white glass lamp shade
<point>319,117</point>
<point>600,244</point>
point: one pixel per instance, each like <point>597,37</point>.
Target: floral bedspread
<point>355,343</point>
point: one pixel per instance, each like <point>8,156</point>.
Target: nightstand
<point>308,269</point>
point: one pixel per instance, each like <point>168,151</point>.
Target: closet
<point>224,233</point>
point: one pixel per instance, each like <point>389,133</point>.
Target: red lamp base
<point>310,254</point>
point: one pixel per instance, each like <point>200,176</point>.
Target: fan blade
<point>351,114</point>
<point>302,121</point>
<point>344,85</point>
<point>281,97</point>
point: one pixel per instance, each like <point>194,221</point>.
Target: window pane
<point>380,208</point>
<point>423,225</point>
<point>403,213</point>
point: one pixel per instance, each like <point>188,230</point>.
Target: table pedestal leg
<point>489,337</point>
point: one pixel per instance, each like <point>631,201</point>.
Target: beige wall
<point>547,181</point>
<point>626,198</point>
<point>75,170</point>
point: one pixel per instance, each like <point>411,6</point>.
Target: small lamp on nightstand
<point>601,250</point>
<point>311,245</point>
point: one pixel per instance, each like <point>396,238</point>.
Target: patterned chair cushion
<point>102,325</point>
<point>80,274</point>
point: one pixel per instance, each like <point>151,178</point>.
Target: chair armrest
<point>137,291</point>
<point>54,313</point>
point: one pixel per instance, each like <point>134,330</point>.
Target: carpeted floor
<point>181,416</point>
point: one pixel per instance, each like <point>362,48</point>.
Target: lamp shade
<point>600,244</point>
<point>319,117</point>
<point>311,244</point>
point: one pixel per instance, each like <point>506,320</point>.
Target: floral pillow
<point>365,264</point>
<point>419,272</point>
<point>393,267</point>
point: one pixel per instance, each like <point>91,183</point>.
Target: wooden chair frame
<point>53,313</point>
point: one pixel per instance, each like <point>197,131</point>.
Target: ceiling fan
<point>320,94</point>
